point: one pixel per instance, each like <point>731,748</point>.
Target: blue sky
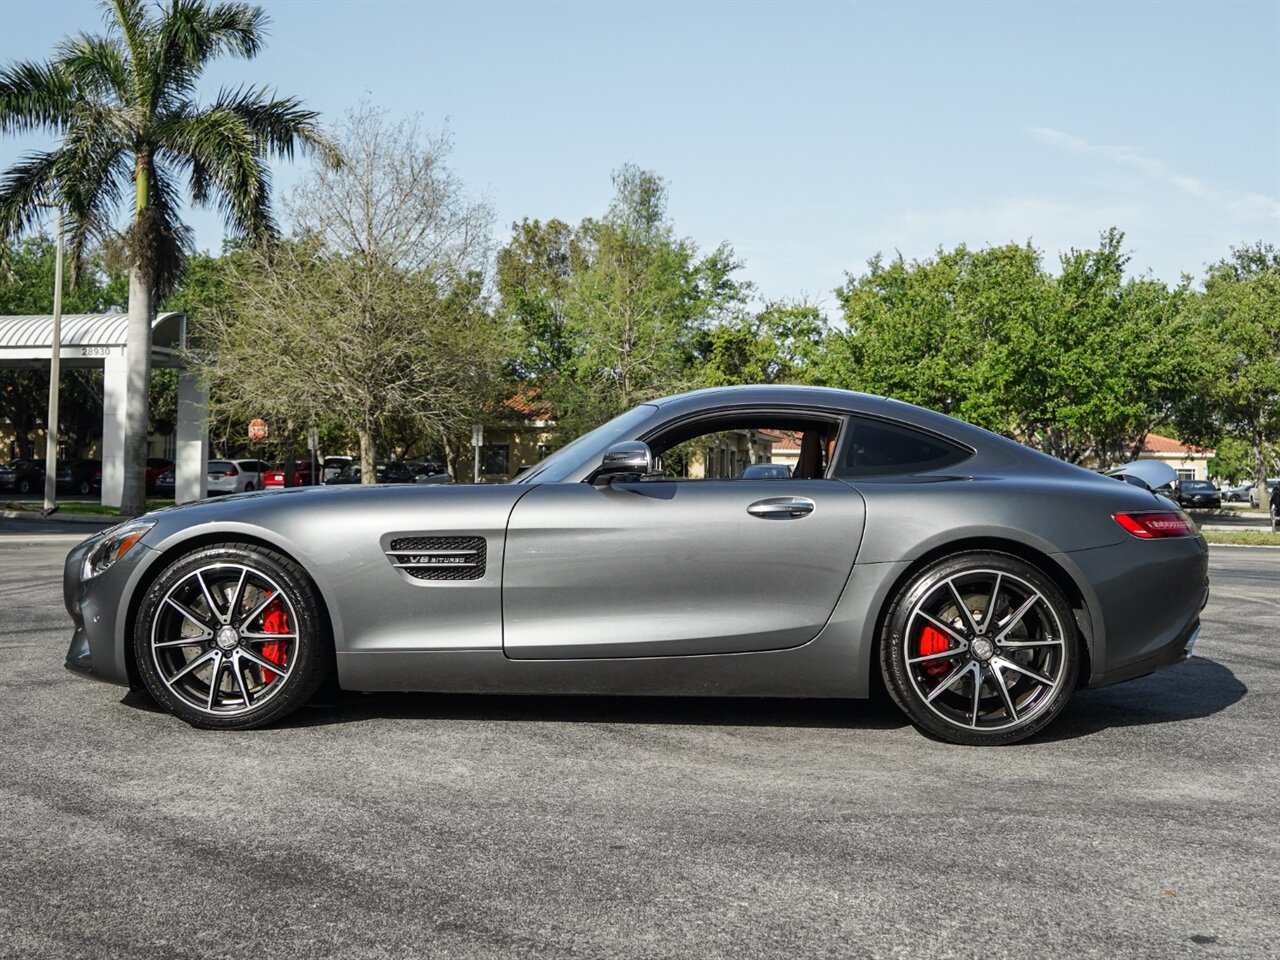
<point>809,136</point>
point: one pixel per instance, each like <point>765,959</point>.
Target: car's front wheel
<point>232,636</point>
<point>980,648</point>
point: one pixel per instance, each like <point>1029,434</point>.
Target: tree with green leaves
<point>781,343</point>
<point>1236,328</point>
<point>534,271</point>
<point>373,316</point>
<point>612,313</point>
<point>124,105</point>
<point>1081,365</point>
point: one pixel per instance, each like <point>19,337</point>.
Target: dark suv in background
<point>78,476</point>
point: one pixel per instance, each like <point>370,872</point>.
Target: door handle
<point>781,508</point>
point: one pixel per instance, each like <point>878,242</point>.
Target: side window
<point>874,448</point>
<point>729,447</point>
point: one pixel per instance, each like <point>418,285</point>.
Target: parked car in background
<point>1242,493</point>
<point>393,472</point>
<point>235,476</point>
<point>766,471</point>
<point>428,471</point>
<point>1275,504</point>
<point>22,476</point>
<point>78,476</point>
<point>1197,493</point>
<point>164,484</point>
<point>278,475</point>
<point>333,466</point>
<point>155,467</point>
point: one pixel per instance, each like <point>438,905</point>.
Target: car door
<point>675,567</point>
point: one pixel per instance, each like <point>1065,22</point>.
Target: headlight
<point>115,543</point>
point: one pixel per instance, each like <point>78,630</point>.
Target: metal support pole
<point>55,372</point>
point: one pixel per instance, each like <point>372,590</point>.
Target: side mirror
<point>628,456</point>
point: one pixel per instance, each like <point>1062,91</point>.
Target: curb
<point>35,515</point>
<point>1244,546</point>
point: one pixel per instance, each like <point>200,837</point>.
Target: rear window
<point>874,448</point>
<point>220,466</point>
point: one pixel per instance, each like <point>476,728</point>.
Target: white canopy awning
<point>87,338</point>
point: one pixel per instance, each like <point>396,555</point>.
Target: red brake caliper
<point>933,640</point>
<point>275,619</point>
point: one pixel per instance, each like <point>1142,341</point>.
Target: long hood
<point>311,517</point>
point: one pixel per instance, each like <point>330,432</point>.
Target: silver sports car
<point>984,581</point>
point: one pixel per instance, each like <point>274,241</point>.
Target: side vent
<point>439,558</point>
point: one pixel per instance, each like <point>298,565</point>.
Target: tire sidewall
<point>314,649</point>
<point>893,655</point>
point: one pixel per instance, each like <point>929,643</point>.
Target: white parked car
<point>235,476</point>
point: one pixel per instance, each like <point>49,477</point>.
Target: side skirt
<point>835,664</point>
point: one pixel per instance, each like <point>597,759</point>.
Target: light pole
<point>55,371</point>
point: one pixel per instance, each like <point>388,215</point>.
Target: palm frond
<point>34,96</point>
<point>192,32</point>
<point>129,18</point>
<point>25,188</point>
<point>95,64</point>
<point>94,169</point>
<point>219,149</point>
<point>282,125</point>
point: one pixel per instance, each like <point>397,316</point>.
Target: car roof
<point>836,401</point>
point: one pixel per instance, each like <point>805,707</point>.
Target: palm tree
<point>124,106</point>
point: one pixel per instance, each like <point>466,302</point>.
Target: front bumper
<point>99,614</point>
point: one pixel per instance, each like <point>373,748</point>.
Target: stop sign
<point>257,429</point>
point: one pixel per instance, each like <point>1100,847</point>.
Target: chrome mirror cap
<point>627,456</point>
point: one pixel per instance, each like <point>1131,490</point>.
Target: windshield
<point>1197,485</point>
<point>565,460</point>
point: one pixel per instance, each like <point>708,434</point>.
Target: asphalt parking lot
<point>1145,823</point>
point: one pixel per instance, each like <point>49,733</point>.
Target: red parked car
<point>302,475</point>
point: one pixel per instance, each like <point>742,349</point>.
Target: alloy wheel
<point>224,639</point>
<point>985,650</point>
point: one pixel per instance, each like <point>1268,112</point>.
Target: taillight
<point>233,472</point>
<point>1157,525</point>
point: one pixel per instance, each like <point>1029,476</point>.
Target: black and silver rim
<point>985,650</point>
<point>224,639</point>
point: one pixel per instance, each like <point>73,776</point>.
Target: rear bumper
<point>1149,595</point>
<point>1174,653</point>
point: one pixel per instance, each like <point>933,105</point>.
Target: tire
<point>24,486</point>
<point>84,487</point>
<point>248,488</point>
<point>232,637</point>
<point>997,686</point>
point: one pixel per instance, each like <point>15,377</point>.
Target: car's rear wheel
<point>232,636</point>
<point>24,486</point>
<point>980,648</point>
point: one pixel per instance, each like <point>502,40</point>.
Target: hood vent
<point>439,558</point>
